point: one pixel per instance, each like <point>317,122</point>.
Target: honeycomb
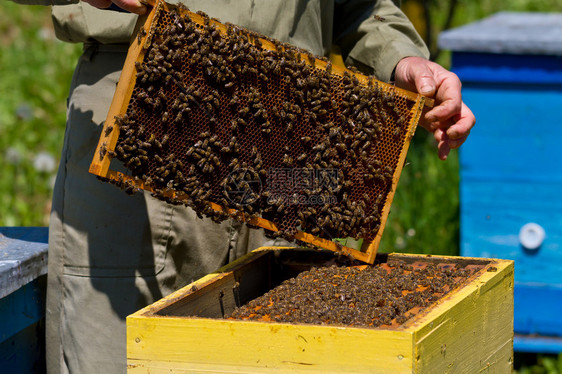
<point>232,123</point>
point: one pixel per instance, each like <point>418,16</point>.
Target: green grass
<point>470,10</point>
<point>36,70</point>
<point>529,363</point>
<point>424,213</point>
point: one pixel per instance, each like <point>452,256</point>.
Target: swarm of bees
<point>383,294</point>
<point>269,131</point>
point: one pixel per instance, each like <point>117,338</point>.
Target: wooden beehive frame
<point>100,165</point>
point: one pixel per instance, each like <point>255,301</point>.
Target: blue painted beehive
<point>23,269</point>
<point>511,166</point>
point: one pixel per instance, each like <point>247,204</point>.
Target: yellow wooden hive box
<point>469,330</point>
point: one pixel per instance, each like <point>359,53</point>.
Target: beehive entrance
<point>232,123</point>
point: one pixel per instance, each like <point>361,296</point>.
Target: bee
<point>165,139</point>
<point>141,34</point>
<point>165,117</point>
<point>103,150</point>
<point>258,113</point>
<point>137,161</point>
<point>108,130</point>
<point>341,148</point>
<point>287,160</point>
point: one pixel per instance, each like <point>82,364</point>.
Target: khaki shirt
<point>372,44</point>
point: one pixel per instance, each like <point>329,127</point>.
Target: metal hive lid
<point>508,32</point>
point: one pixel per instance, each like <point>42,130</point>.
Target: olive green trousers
<point>111,254</point>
